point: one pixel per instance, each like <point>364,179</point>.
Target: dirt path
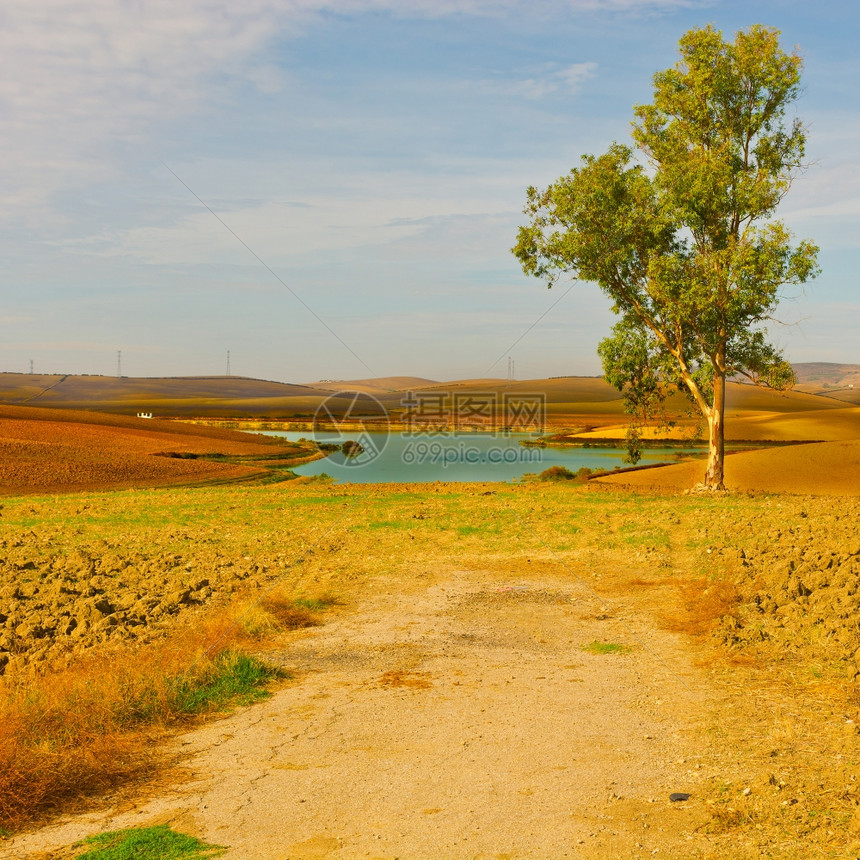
<point>461,720</point>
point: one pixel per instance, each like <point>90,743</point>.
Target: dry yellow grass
<point>73,733</point>
<point>831,424</point>
<point>704,603</point>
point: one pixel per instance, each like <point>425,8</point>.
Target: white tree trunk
<point>716,436</point>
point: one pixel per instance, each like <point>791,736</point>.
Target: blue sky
<point>374,155</point>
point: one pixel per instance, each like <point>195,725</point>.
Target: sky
<point>329,189</point>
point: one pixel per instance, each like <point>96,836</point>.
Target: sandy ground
<point>460,719</point>
<point>821,469</point>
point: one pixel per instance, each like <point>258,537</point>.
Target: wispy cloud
<point>80,80</point>
<point>443,8</point>
<point>276,231</point>
<point>568,80</point>
<point>824,201</point>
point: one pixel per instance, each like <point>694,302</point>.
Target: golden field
<point>758,593</point>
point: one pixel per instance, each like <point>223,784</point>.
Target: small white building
<point>144,415</point>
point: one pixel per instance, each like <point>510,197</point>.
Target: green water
<point>409,458</point>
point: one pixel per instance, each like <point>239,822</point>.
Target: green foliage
<point>679,248</point>
<point>148,843</point>
<point>633,441</point>
<point>560,473</point>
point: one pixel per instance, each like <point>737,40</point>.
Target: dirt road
<point>461,718</point>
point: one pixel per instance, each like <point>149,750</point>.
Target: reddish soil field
<point>46,450</point>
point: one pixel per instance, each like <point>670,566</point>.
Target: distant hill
<point>826,374</point>
<point>381,385</point>
<point>236,396</point>
<point>198,396</point>
<point>814,410</point>
<point>840,381</point>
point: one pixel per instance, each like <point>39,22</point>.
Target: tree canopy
<point>678,229</point>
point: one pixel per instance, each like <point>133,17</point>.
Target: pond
<point>420,458</point>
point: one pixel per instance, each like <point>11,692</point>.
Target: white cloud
<point>824,201</point>
<point>568,79</point>
<point>81,79</point>
<point>276,232</point>
<point>293,211</point>
<point>443,8</point>
<point>573,76</point>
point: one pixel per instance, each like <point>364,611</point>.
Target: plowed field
<point>45,450</point>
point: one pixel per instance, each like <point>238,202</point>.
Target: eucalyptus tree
<point>678,229</point>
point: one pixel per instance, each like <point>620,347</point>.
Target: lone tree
<point>684,244</point>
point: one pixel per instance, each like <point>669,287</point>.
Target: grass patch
<point>465,531</point>
<point>316,604</point>
<point>276,612</point>
<point>148,843</point>
<point>388,524</point>
<point>606,648</point>
<point>234,679</point>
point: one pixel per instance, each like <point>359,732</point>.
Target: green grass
<point>235,679</point>
<point>473,530</point>
<point>148,843</point>
<point>317,604</point>
<point>369,523</point>
<point>387,524</point>
<point>606,648</point>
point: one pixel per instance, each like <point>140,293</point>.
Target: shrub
<point>557,473</point>
<point>351,448</point>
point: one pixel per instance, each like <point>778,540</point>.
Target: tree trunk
<point>716,441</point>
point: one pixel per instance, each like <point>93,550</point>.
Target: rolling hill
<point>187,396</point>
<point>840,381</point>
<point>587,404</point>
<point>65,450</point>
